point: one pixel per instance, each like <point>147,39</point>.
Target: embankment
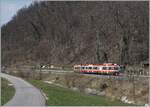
<point>132,90</point>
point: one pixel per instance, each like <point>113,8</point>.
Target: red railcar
<point>106,68</point>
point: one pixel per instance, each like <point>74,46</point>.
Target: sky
<point>8,8</point>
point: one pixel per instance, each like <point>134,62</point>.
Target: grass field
<point>7,92</point>
<point>58,96</point>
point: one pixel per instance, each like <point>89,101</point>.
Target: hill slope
<point>77,32</point>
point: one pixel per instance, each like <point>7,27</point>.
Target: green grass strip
<point>7,91</point>
<point>58,96</point>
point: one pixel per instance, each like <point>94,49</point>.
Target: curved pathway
<point>25,95</point>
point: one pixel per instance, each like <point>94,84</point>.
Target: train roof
<point>104,64</point>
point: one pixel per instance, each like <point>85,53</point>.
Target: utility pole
<point>133,88</point>
<point>132,78</point>
<point>40,74</point>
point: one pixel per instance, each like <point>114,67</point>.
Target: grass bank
<point>58,96</point>
<point>7,91</point>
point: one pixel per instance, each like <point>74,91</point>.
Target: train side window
<point>90,67</point>
<point>86,67</point>
<point>104,68</point>
<point>82,67</point>
<point>109,68</point>
<point>95,67</point>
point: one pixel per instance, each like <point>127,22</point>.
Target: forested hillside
<point>77,32</point>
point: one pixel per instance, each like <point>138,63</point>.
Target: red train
<point>106,68</point>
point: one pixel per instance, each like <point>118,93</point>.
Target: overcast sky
<point>8,8</point>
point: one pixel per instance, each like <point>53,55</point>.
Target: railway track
<point>120,76</point>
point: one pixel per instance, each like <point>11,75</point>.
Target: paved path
<point>25,95</point>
